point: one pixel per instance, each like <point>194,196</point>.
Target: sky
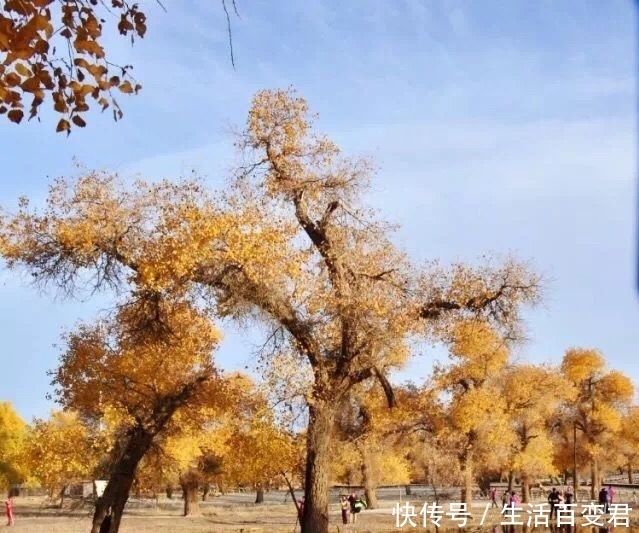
<point>497,127</point>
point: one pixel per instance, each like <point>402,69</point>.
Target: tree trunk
<point>511,478</point>
<point>118,487</point>
<point>318,440</point>
<point>259,495</point>
<point>525,488</point>
<point>205,491</point>
<point>191,499</point>
<point>368,477</point>
<point>64,489</point>
<point>169,492</point>
<point>629,473</point>
<point>594,479</point>
<point>408,490</point>
<point>466,463</point>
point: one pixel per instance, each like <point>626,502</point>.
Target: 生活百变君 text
<point>525,514</point>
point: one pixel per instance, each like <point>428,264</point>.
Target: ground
<point>237,513</point>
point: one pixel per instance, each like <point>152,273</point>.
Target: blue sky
<point>497,126</point>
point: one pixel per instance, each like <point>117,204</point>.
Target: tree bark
<point>368,477</point>
<point>118,488</point>
<point>320,431</point>
<point>259,494</point>
<point>191,499</point>
<point>466,464</point>
<point>525,488</point>
<point>594,479</point>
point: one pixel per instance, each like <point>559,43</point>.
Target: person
<point>603,499</point>
<point>514,499</point>
<point>611,493</point>
<point>346,507</point>
<point>300,510</point>
<point>493,497</point>
<point>504,499</point>
<point>105,526</point>
<point>568,496</point>
<point>8,504</point>
<point>359,506</point>
<point>351,500</point>
<point>553,499</point>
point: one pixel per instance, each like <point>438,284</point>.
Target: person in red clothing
<point>8,504</point>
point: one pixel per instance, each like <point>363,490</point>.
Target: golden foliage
<point>131,370</point>
<point>62,449</point>
<point>53,49</point>
<point>12,437</point>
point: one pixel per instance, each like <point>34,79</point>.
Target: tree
<point>531,396</point>
<point>61,450</point>
<point>289,246</point>
<point>12,436</point>
<point>476,422</point>
<point>597,410</point>
<point>54,49</point>
<point>629,441</point>
<point>152,359</point>
<point>364,451</point>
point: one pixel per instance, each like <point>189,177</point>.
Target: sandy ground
<point>237,513</point>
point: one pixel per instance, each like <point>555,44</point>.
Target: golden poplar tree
<point>476,425</point>
<point>290,246</point>
<point>531,396</point>
<point>597,410</point>
<point>13,432</point>
<point>61,450</point>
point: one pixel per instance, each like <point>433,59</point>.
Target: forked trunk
<point>466,463</point>
<point>119,485</point>
<point>191,499</point>
<point>318,440</point>
<point>368,477</point>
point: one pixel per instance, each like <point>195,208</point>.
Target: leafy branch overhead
<point>53,50</point>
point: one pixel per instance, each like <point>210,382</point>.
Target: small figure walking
<point>8,504</point>
<point>611,493</point>
<point>603,499</point>
<point>493,497</point>
<point>346,507</point>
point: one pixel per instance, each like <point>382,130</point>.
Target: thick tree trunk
<point>466,464</point>
<point>259,494</point>
<point>318,440</point>
<point>368,477</point>
<point>511,478</point>
<point>117,490</point>
<point>191,499</point>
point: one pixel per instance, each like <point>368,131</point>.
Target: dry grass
<point>233,513</point>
